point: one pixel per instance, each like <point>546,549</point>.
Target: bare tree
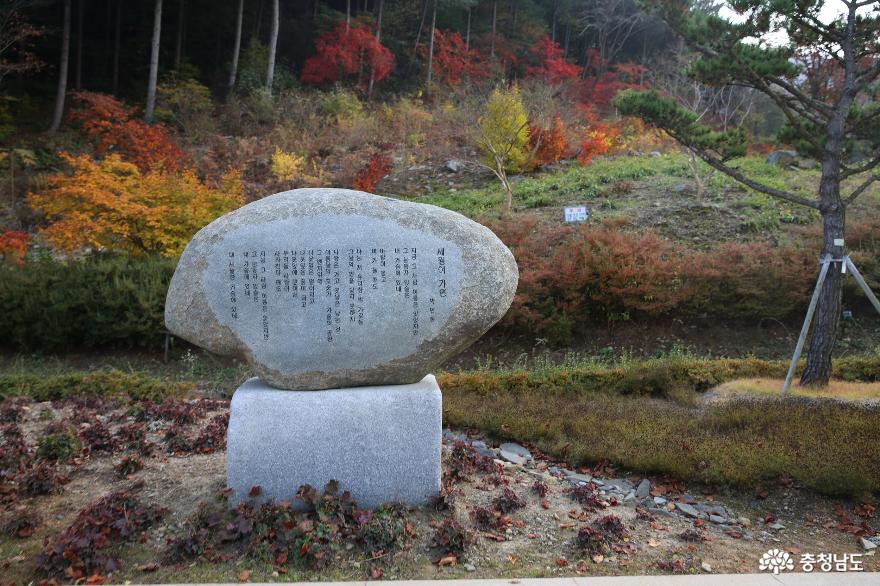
<point>431,45</point>
<point>154,62</point>
<point>236,50</point>
<point>610,24</point>
<point>15,32</point>
<point>273,46</point>
<point>378,38</point>
<point>62,70</point>
<point>77,77</point>
<point>116,43</point>
<point>181,31</point>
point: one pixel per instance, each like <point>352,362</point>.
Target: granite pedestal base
<point>381,443</point>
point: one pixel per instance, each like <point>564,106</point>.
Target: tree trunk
<point>347,15</point>
<point>467,35</point>
<point>431,47</point>
<point>553,27</point>
<point>181,24</point>
<point>378,38</point>
<point>79,45</point>
<point>827,319</point>
<point>236,48</point>
<point>273,46</point>
<point>421,27</point>
<point>116,42</point>
<point>62,70</point>
<point>567,39</point>
<point>494,22</point>
<point>154,63</point>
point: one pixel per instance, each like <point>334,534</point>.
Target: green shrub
<point>113,383</point>
<point>56,446</point>
<point>101,301</point>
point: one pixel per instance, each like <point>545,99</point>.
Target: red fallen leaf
<point>581,567</point>
<point>769,519</point>
<point>410,529</point>
<point>519,523</point>
<point>150,567</point>
<point>449,560</point>
<point>561,562</point>
<point>375,572</point>
<point>699,523</point>
<point>244,575</point>
<point>545,504</point>
<point>865,510</point>
<point>735,534</point>
<point>494,537</point>
<point>281,570</point>
<point>761,492</point>
<point>281,558</point>
<point>96,579</point>
<point>255,491</point>
<point>25,532</point>
<point>532,536</point>
<point>303,550</point>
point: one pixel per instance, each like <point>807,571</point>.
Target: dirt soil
<point>539,539</point>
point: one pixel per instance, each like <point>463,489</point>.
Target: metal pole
<point>861,281</point>
<point>826,262</point>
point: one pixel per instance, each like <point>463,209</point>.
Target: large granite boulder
<point>325,288</point>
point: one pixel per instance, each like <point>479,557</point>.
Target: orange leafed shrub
<point>111,126</point>
<point>548,145</point>
<point>112,205</point>
<point>13,246</point>
<point>573,276</point>
<point>599,141</point>
<point>377,167</point>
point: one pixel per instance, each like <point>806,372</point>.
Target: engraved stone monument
<point>342,302</point>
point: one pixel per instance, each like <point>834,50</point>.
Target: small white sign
<point>577,214</point>
<point>838,242</point>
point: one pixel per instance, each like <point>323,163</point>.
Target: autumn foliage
<point>13,246</point>
<point>347,51</point>
<point>454,61</point>
<point>574,276</point>
<point>377,167</point>
<point>114,129</point>
<point>112,205</point>
<point>548,144</point>
<point>549,62</point>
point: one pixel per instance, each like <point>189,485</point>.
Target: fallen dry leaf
<point>581,567</point>
<point>150,567</point>
<point>449,560</point>
<point>653,543</point>
<point>561,562</point>
<point>598,558</point>
<point>244,575</point>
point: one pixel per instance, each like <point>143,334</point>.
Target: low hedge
<point>110,384</point>
<point>101,301</point>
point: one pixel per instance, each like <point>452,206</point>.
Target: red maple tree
<point>454,61</point>
<point>346,51</point>
<point>548,144</point>
<point>111,125</point>
<point>549,62</point>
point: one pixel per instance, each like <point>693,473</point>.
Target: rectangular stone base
<point>381,443</point>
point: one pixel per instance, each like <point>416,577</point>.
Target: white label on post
<point>838,242</point>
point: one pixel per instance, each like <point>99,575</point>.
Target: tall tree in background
<point>154,62</point>
<point>236,48</point>
<point>77,77</point>
<point>181,31</point>
<point>273,46</point>
<point>378,40</point>
<point>61,92</point>
<point>840,129</point>
<point>431,44</point>
<point>117,34</point>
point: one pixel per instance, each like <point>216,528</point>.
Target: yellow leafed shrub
<point>111,205</point>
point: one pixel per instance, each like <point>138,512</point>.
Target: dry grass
<point>836,389</point>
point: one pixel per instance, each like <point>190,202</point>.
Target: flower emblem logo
<point>775,560</point>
